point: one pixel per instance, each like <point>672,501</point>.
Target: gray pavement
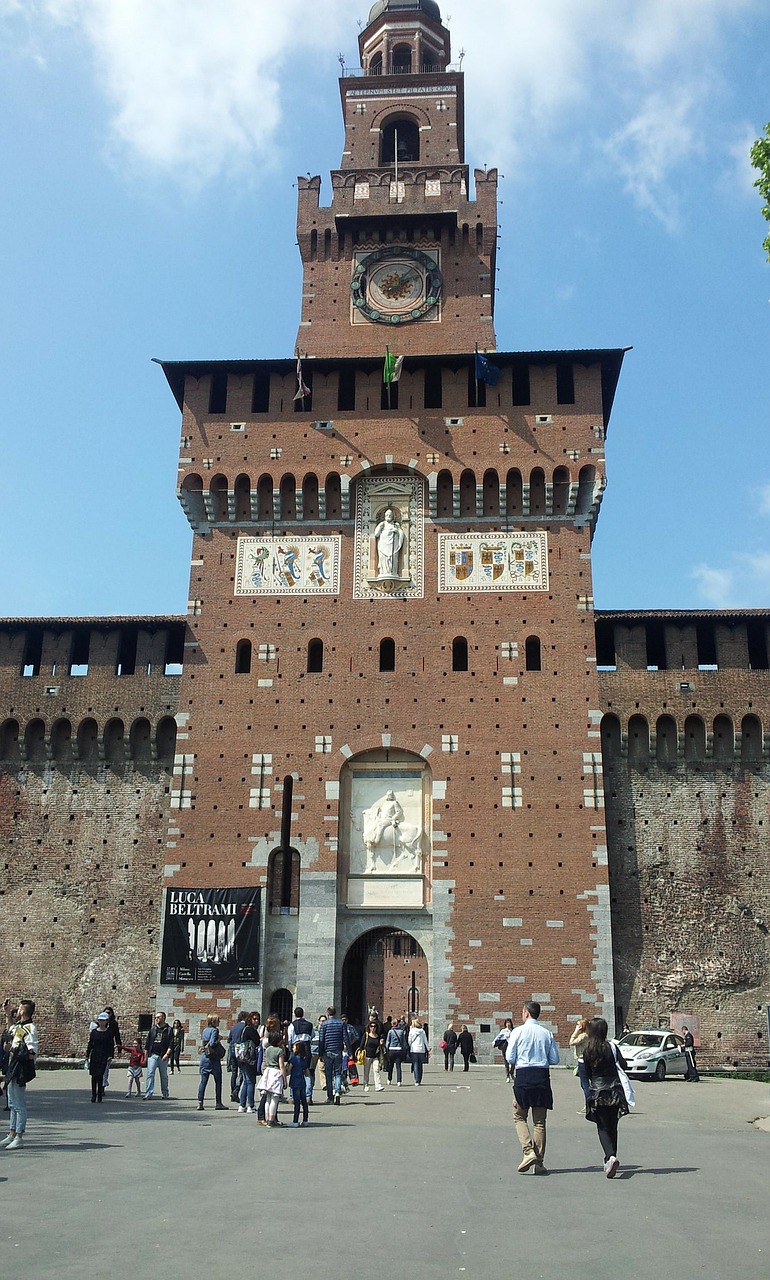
<point>425,1178</point>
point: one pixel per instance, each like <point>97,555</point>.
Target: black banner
<point>211,935</point>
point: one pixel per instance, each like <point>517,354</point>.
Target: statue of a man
<point>390,538</point>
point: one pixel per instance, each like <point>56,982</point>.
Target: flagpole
<point>476,373</point>
<point>395,155</point>
<point>387,362</point>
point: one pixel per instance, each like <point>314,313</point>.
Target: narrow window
<point>532,653</point>
<point>243,658</point>
<point>346,390</point>
<point>606,658</point>
<point>757,642</point>
<point>260,391</point>
<point>433,388</point>
<point>218,393</point>
<point>33,653</point>
<point>705,636</point>
<point>126,664</point>
<point>174,652</point>
<point>81,645</point>
<point>459,654</point>
<point>656,646</point>
<point>565,384</point>
<point>387,655</point>
<point>520,384</point>
<point>315,657</point>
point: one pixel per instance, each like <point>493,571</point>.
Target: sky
<point>150,149</point>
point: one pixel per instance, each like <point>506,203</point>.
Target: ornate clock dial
<point>396,286</point>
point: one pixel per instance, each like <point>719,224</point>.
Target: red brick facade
<point>297,709</point>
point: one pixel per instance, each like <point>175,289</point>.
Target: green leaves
<point>760,159</point>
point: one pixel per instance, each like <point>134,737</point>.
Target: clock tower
<point>403,256</point>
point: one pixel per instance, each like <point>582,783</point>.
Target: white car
<point>653,1053</point>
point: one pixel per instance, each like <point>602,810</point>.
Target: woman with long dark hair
<point>606,1101</point>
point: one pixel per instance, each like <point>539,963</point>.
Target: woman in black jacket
<point>450,1047</point>
<point>465,1045</point>
<point>607,1099</point>
<point>99,1054</point>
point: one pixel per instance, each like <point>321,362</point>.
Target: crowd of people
<point>266,1063</point>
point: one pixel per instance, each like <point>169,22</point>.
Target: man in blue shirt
<point>333,1043</point>
<point>531,1051</point>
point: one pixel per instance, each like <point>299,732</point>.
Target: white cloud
<point>644,75</point>
<point>196,86</point>
<point>744,584</point>
<point>763,495</point>
<point>648,149</point>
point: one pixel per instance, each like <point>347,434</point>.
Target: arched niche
<point>638,740</point>
<point>385,830</point>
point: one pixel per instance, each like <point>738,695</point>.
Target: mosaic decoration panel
<point>288,566</point>
<point>493,562</point>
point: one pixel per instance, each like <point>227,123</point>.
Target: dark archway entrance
<point>281,1004</point>
<point>387,969</point>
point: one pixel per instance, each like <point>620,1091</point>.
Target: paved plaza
<point>423,1178</point>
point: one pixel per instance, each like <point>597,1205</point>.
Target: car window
<point>640,1040</point>
<point>671,1042</point>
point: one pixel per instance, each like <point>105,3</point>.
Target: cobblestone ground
<point>425,1179</point>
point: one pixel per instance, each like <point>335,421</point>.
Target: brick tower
<point>388,738</point>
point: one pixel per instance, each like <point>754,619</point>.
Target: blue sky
<point>149,149</point>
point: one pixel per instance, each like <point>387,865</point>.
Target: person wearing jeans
<point>333,1042</point>
<point>158,1047</point>
<point>22,1038</point>
<point>418,1050</point>
<point>395,1047</point>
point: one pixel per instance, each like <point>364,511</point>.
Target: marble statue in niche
<point>390,538</point>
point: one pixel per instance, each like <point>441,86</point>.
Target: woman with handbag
<point>449,1045</point>
<point>610,1091</point>
<point>212,1053</point>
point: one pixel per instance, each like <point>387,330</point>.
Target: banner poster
<point>211,935</point>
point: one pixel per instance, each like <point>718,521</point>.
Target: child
<point>136,1061</point>
<point>298,1066</point>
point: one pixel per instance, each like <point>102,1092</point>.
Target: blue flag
<point>486,372</point>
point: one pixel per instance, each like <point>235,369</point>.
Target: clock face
<point>396,286</point>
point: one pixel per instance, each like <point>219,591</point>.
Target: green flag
<point>393,367</point>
